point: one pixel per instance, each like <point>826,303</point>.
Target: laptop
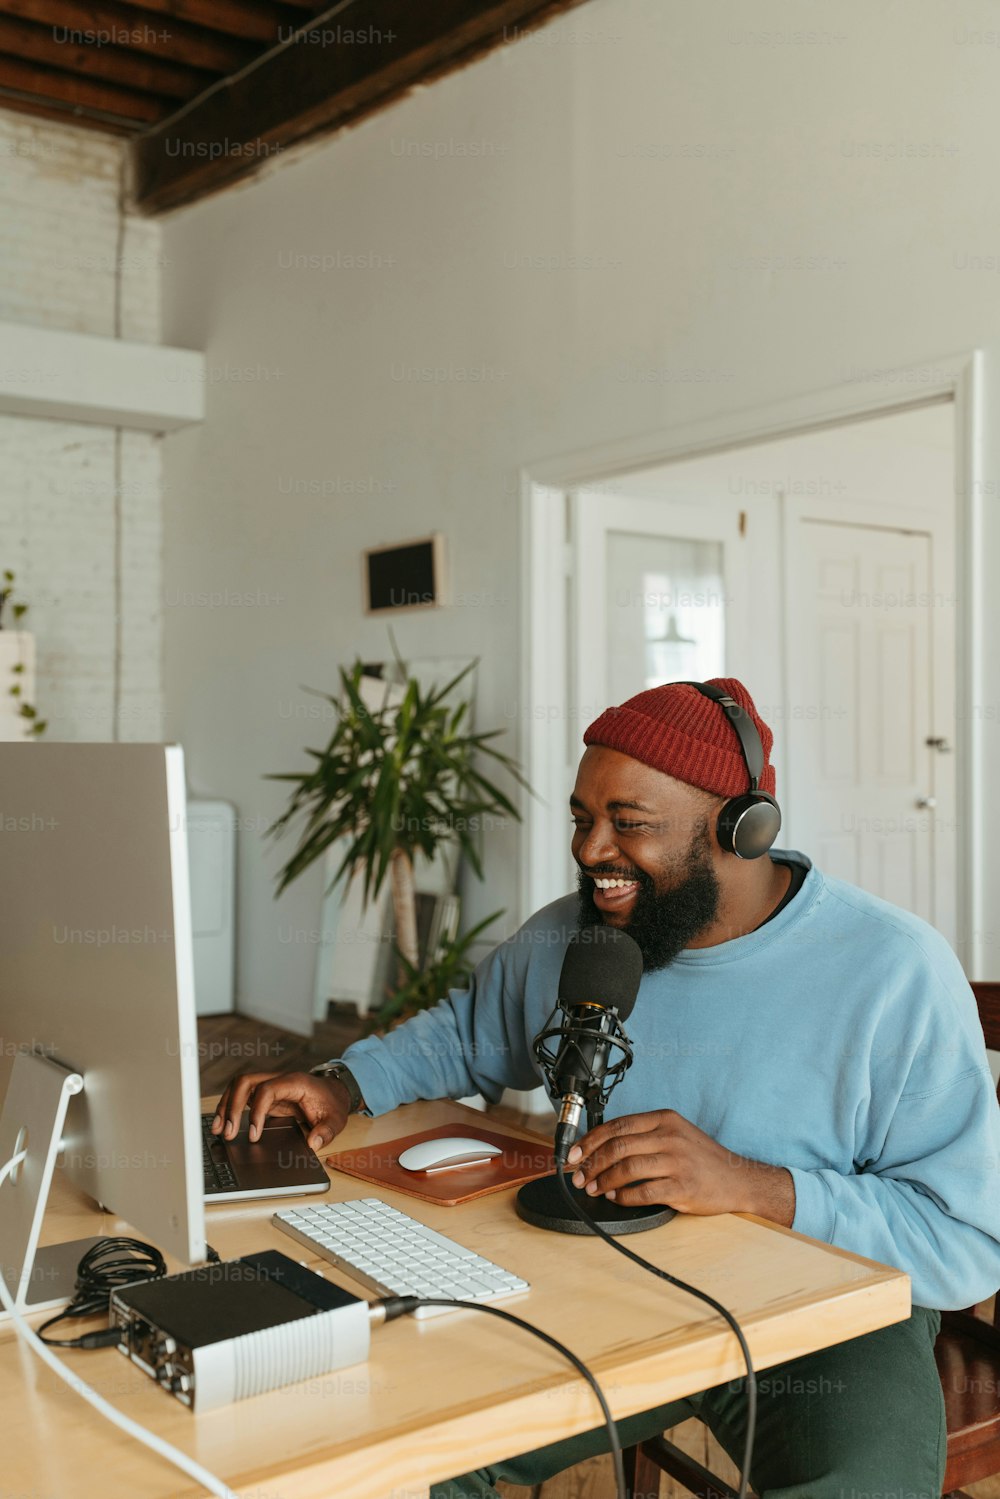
<point>278,1164</point>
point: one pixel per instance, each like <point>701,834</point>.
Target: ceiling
<point>121,67</point>
<point>208,89</point>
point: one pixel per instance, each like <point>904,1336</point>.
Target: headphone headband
<point>746,729</point>
<point>748,823</point>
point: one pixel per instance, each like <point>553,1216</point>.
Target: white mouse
<point>446,1155</point>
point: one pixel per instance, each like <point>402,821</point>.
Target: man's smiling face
<point>646,853</point>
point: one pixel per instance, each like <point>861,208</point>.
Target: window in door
<point>665,611</point>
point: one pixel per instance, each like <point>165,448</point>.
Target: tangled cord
<point>108,1264</point>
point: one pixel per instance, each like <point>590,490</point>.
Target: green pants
<point>862,1420</point>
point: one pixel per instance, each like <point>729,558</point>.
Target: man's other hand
<point>322,1104</point>
<point>661,1157</point>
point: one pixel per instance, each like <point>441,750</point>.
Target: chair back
<point>988,1000</point>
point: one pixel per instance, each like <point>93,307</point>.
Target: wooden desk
<point>454,1392</point>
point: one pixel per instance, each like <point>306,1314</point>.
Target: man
<point>803,1051</point>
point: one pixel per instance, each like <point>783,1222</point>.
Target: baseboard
<point>274,1016</point>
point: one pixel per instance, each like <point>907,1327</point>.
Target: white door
<point>873,796</point>
<point>659,593</point>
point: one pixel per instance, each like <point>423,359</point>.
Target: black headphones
<point>748,824</point>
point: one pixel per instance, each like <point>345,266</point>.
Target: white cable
<point>103,1407</point>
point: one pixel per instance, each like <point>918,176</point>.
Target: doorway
<point>820,568</point>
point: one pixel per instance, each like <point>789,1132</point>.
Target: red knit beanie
<point>676,729</point>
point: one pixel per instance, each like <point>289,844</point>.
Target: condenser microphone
<point>584,1051</point>
<point>598,988</point>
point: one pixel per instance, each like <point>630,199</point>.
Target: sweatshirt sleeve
<point>923,1194</point>
<point>473,1041</point>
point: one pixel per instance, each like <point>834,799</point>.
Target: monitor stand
<point>34,1113</point>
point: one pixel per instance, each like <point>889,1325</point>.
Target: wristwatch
<point>343,1074</point>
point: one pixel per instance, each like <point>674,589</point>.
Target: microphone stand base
<point>542,1204</point>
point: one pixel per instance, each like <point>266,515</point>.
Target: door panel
<point>860,671</point>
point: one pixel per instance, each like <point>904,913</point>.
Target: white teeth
<point>614,884</point>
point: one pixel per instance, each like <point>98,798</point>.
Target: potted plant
<point>18,715</point>
<point>395,782</point>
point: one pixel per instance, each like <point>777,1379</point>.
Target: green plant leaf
<point>399,778</point>
<point>420,989</point>
<point>441,693</point>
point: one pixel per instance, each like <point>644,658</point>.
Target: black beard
<point>663,924</point>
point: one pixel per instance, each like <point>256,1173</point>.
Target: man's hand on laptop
<point>663,1157</point>
<point>322,1104</point>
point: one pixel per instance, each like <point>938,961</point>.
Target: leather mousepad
<point>522,1161</point>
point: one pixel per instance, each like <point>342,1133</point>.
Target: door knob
<point>941,745</point>
<point>926,801</point>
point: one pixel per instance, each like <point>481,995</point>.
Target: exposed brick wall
<point>80,505</point>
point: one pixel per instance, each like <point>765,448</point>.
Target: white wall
<point>80,504</point>
<point>641,215</point>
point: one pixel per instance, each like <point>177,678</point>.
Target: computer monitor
<point>97,975</point>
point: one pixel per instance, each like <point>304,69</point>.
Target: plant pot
<point>16,647</point>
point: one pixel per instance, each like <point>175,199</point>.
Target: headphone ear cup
<point>749,824</point>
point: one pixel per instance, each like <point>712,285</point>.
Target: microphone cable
<point>398,1306</point>
<point>750,1382</point>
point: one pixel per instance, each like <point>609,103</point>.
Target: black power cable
<point>398,1306</point>
<point>750,1383</point>
<point>108,1264</point>
<point>114,1262</point>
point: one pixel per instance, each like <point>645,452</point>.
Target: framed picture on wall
<point>405,575</point>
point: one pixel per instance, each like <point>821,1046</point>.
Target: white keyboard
<point>394,1255</point>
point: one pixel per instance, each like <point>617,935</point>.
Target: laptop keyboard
<point>392,1254</point>
<point>218,1174</point>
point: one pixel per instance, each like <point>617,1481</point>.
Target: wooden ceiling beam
<point>313,87</point>
<point>255,20</point>
<point>177,43</point>
<point>47,84</point>
<point>67,114</point>
<point>111,64</point>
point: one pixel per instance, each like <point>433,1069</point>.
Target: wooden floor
<point>236,1043</point>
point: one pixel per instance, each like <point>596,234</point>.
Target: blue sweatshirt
<point>839,1040</point>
